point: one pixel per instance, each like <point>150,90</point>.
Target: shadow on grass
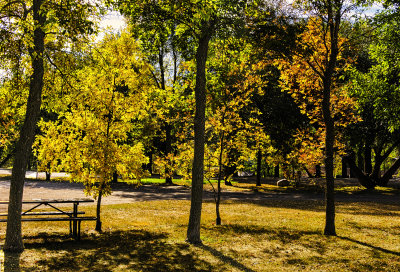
<point>225,259</point>
<point>284,236</point>
<point>118,250</point>
<point>370,246</point>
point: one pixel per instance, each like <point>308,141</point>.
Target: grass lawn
<point>272,235</point>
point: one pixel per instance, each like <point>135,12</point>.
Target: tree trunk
<point>218,201</point>
<point>318,171</point>
<point>48,176</point>
<point>193,230</point>
<point>259,159</point>
<point>168,150</point>
<point>13,242</point>
<point>98,211</point>
<point>329,142</point>
<point>344,168</point>
<point>383,181</point>
<point>364,180</point>
<point>360,159</point>
<point>367,155</point>
<point>276,171</point>
<point>115,177</point>
<point>308,172</point>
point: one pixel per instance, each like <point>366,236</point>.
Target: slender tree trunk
<point>193,231</point>
<point>168,150</point>
<point>308,172</point>
<point>13,242</point>
<point>333,24</point>
<point>115,177</point>
<point>318,171</point>
<point>276,171</point>
<point>259,159</point>
<point>98,211</point>
<point>218,220</point>
<point>344,168</point>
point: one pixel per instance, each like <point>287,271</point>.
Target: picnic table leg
<point>75,234</point>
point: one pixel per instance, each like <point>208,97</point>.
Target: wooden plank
<point>44,213</point>
<point>37,201</point>
<point>55,219</point>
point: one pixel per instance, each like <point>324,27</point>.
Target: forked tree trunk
<point>13,242</point>
<point>193,230</point>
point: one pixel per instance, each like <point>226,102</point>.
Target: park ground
<point>265,228</point>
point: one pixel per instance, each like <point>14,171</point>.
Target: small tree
<point>93,139</point>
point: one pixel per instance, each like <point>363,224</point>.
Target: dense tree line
<point>201,89</point>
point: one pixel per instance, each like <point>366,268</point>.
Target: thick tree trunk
<point>193,231</point>
<point>364,180</point>
<point>383,181</point>
<point>367,155</point>
<point>259,160</point>
<point>48,176</point>
<point>13,242</point>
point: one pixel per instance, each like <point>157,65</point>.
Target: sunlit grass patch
<point>270,235</point>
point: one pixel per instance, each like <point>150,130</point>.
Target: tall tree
<point>31,22</point>
<point>317,64</point>
<point>196,23</point>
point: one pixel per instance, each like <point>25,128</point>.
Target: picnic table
<point>55,214</point>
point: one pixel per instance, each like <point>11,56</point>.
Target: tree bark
<point>383,181</point>
<point>276,171</point>
<point>367,154</point>
<point>318,171</point>
<point>98,211</point>
<point>364,180</point>
<point>193,230</point>
<point>259,159</point>
<point>13,242</point>
<point>344,168</point>
<point>168,150</point>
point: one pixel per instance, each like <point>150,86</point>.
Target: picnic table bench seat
<point>58,215</point>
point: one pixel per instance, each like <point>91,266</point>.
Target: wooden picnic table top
<point>37,201</point>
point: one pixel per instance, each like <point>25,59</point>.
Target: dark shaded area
<point>225,258</point>
<point>370,246</point>
<point>126,250</point>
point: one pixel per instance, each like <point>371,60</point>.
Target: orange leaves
<point>303,76</point>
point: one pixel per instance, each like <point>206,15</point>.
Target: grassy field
<point>271,235</point>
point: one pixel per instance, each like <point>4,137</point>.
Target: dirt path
<point>124,193</point>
